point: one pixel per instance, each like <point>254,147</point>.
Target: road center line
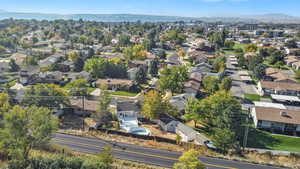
<point>133,152</point>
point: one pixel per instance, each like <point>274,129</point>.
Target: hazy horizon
<point>184,8</point>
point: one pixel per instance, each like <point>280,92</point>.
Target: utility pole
<point>82,112</point>
<point>246,131</point>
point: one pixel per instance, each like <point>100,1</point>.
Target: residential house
<point>233,60</point>
<point>277,120</point>
<point>127,113</point>
<point>194,84</point>
<point>84,107</point>
<point>41,44</point>
<point>291,51</point>
<point>51,77</point>
<point>267,88</point>
<point>173,59</point>
<point>296,65</point>
<point>19,90</point>
<point>132,73</point>
<point>197,56</point>
<point>244,75</point>
<point>129,107</point>
<point>186,133</point>
<point>19,58</point>
<point>71,76</point>
<point>277,75</point>
<point>4,65</point>
<point>29,75</point>
<point>49,60</point>
<point>116,84</point>
<point>167,123</point>
<point>180,101</point>
<point>139,64</point>
<point>289,60</point>
<point>202,67</point>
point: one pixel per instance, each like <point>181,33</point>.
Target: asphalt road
<point>144,155</point>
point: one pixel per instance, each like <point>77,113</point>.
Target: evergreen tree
<point>13,67</point>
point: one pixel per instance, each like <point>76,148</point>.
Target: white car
<point>140,131</point>
<point>210,145</point>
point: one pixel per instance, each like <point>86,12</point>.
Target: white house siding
<point>253,113</point>
<point>184,138</point>
<point>260,89</point>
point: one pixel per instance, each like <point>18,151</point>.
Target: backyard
<point>255,97</point>
<point>236,46</point>
<point>266,140</point>
<point>123,93</point>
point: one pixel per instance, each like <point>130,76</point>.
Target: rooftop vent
<point>283,114</point>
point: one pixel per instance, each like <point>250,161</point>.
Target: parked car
<point>210,145</point>
<point>140,131</point>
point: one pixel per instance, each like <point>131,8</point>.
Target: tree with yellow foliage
<point>189,160</point>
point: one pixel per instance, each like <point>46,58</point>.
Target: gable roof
<point>128,106</point>
<point>275,115</point>
<point>166,119</point>
<point>115,82</point>
<point>279,75</point>
<point>186,130</point>
<point>280,85</point>
<point>89,105</point>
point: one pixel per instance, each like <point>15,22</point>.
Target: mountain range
<point>273,18</point>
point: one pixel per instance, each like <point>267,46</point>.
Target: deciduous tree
<point>103,105</point>
<point>252,48</point>
<point>189,160</point>
<point>77,88</point>
<point>46,95</point>
<point>225,84</point>
<point>25,129</point>
<point>173,79</point>
<point>259,71</point>
<point>210,84</point>
<point>153,105</point>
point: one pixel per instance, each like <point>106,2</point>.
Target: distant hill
<point>275,18</point>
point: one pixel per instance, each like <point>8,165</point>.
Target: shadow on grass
<point>261,139</point>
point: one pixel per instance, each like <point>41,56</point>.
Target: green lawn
<point>123,93</point>
<point>252,97</point>
<point>265,140</point>
<point>228,52</point>
<point>236,46</point>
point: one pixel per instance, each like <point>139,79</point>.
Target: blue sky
<point>159,7</point>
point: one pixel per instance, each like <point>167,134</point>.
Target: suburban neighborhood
<point>152,93</point>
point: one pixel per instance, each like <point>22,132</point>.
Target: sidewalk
<point>274,152</point>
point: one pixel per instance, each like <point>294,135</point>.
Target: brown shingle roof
<point>278,75</point>
<point>196,76</point>
<point>297,63</point>
<point>271,70</point>
<point>192,84</point>
<point>89,105</point>
<point>115,82</point>
<point>274,115</point>
<point>280,85</point>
